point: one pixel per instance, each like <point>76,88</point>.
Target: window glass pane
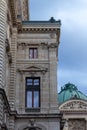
<point>35,53</point>
<point>30,53</point>
<point>29,81</point>
<point>29,99</point>
<point>36,82</point>
<point>36,99</point>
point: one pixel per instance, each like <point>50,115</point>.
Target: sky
<point>72,54</point>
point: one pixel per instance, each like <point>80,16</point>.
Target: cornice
<point>39,116</point>
<point>39,26</point>
<point>38,30</point>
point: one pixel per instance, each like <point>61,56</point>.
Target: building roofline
<point>41,22</point>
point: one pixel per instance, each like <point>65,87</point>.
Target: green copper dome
<point>70,91</point>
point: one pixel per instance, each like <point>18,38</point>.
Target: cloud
<point>74,19</point>
<point>72,65</point>
<point>73,14</point>
<point>73,76</point>
<point>72,51</point>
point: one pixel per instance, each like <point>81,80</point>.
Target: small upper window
<point>33,53</point>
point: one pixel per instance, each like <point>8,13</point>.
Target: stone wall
<point>45,67</point>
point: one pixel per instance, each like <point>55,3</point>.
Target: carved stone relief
<point>34,69</point>
<point>77,124</point>
<point>74,105</point>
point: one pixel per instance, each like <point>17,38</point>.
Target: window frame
<point>32,52</point>
<point>32,88</point>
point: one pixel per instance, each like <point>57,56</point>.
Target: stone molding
<point>39,116</point>
<point>73,105</point>
<point>43,45</point>
<point>38,30</point>
<point>33,69</point>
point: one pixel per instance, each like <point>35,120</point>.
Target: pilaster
<point>53,79</point>
<point>24,10</point>
<point>13,69</point>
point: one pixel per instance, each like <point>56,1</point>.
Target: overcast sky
<point>72,66</point>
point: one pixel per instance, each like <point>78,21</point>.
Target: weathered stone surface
<point>16,38</point>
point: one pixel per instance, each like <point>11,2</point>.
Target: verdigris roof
<point>70,91</point>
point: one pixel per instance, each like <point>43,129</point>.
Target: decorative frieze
<point>37,30</point>
<point>74,105</point>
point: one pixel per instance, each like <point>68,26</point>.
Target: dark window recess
<point>33,53</point>
<point>32,92</point>
<point>32,128</point>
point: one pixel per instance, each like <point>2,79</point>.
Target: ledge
<point>39,115</point>
<point>32,109</point>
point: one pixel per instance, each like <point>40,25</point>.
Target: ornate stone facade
<point>77,124</point>
<point>22,9</point>
<point>20,40</point>
<point>73,107</point>
<point>74,114</point>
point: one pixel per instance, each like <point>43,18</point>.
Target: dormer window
<point>33,53</point>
